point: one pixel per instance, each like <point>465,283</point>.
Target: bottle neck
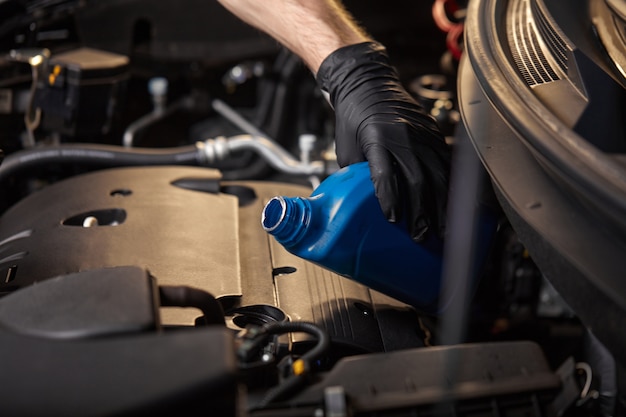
<point>287,219</point>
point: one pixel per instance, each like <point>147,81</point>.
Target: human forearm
<point>312,29</point>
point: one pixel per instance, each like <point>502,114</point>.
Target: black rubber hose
<point>183,296</point>
<point>96,155</point>
<point>294,382</point>
<point>277,328</point>
<point>323,340</point>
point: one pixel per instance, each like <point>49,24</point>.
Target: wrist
<point>333,30</point>
<point>312,29</point>
<point>318,29</point>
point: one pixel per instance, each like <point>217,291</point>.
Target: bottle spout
<point>273,214</point>
<point>287,219</point>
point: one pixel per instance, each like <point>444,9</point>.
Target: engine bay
<point>135,275</point>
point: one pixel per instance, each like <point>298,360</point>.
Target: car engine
<point>142,139</point>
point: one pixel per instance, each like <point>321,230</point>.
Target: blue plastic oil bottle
<point>342,227</point>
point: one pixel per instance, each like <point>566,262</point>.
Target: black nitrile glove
<point>378,121</point>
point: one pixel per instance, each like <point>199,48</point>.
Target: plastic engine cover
<point>187,228</point>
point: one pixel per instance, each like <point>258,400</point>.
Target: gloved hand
<point>378,121</point>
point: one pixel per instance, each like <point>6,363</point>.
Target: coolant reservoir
<point>342,227</point>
